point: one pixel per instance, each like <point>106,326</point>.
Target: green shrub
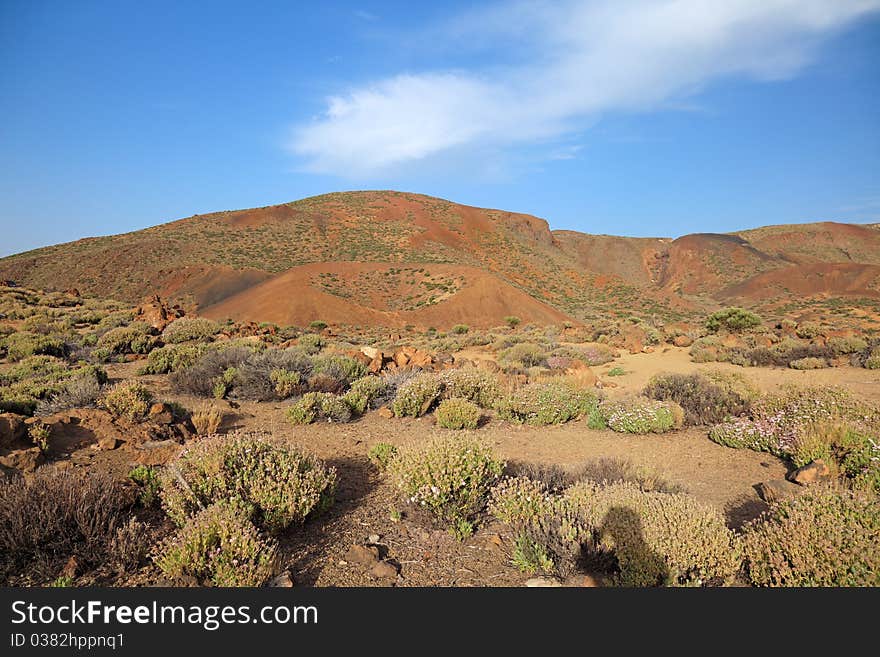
<point>808,363</point>
<point>448,478</point>
<point>147,479</point>
<point>135,338</point>
<point>172,358</point>
<point>854,451</point>
<point>872,358</point>
<point>808,331</point>
<point>847,345</point>
<point>475,385</point>
<point>616,371</point>
<point>551,402</point>
<point>381,455</point>
<point>129,400</point>
<point>641,415</point>
<point>416,396</point>
<point>341,368</point>
<point>524,354</point>
<point>459,329</point>
<point>314,406</point>
<point>220,547</point>
<point>310,343</point>
<point>458,414</point>
<point>512,321</point>
<point>317,325</point>
<point>364,392</point>
<point>705,400</point>
<point>277,484</point>
<point>826,537</point>
<point>732,319</point>
<point>24,344</point>
<point>187,329</point>
<point>518,500</point>
<point>286,382</point>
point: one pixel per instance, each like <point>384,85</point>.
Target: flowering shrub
<point>552,402</point>
<point>475,385</point>
<point>128,400</point>
<point>826,537</point>
<point>416,396</point>
<point>220,547</point>
<point>314,406</point>
<point>448,478</point>
<point>705,399</point>
<point>517,500</point>
<point>277,484</point>
<point>364,392</point>
<point>186,329</point>
<point>458,414</point>
<point>854,450</point>
<point>642,415</point>
<point>808,363</point>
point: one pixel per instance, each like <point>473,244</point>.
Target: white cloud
<point>572,61</point>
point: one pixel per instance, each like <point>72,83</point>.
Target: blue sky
<point>649,117</point>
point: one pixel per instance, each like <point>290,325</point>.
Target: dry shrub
<point>458,414</point>
<point>314,406</point>
<point>130,400</point>
<point>826,537</point>
<point>551,402</point>
<point>58,513</point>
<point>705,399</point>
<point>201,377</point>
<point>477,386</point>
<point>417,395</point>
<point>277,484</point>
<point>207,420</point>
<point>80,392</point>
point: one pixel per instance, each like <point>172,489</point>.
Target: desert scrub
<point>201,378</point>
<point>55,514</point>
<point>524,354</point>
<point>553,402</point>
<point>364,392</point>
<point>147,479</point>
<point>458,414</point>
<point>854,452</point>
<point>207,420</point>
<point>23,344</point>
<point>591,354</point>
<point>277,484</point>
<point>641,415</point>
<point>872,358</point>
<point>847,345</point>
<point>447,478</point>
<point>732,319</point>
<point>475,385</point>
<point>82,391</point>
<point>516,501</point>
<point>188,329</point>
<point>314,406</point>
<point>381,455</point>
<point>171,358</point>
<point>416,396</point>
<point>808,363</point>
<point>826,537</point>
<point>136,338</point>
<point>705,399</point>
<point>219,546</point>
<point>343,369</point>
<point>310,343</point>
<point>129,400</point>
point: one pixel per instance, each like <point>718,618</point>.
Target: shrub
<point>512,321</point>
<point>219,546</point>
<point>459,329</point>
<point>135,338</point>
<point>277,484</point>
<point>202,376</point>
<point>364,392</point>
<point>552,402</point>
<point>24,344</point>
<point>55,514</point>
<point>732,319</point>
<point>518,500</point>
<point>314,406</point>
<point>317,325</point>
<point>343,369</point>
<point>641,415</point>
<point>416,396</point>
<point>207,420</point>
<point>286,383</point>
<point>847,345</point>
<point>808,331</point>
<point>274,374</point>
<point>82,391</point>
<point>147,479</point>
<point>524,354</point>
<point>458,414</point>
<point>703,399</point>
<point>187,329</point>
<point>475,385</point>
<point>852,449</point>
<point>172,358</point>
<point>448,478</point>
<point>616,371</point>
<point>310,343</point>
<point>808,363</point>
<point>129,400</point>
<point>381,454</point>
<point>826,537</point>
<point>872,358</point>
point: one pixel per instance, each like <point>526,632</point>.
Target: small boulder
<point>363,555</point>
<point>385,570</point>
<point>161,413</point>
<point>810,473</point>
<point>776,490</point>
<point>385,412</point>
<point>682,341</point>
<point>12,430</point>
<point>371,352</point>
<point>107,442</point>
<point>24,460</point>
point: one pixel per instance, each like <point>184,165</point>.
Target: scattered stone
<point>776,490</point>
<point>385,570</point>
<point>372,539</point>
<point>107,442</point>
<point>385,412</point>
<point>371,352</point>
<point>810,473</point>
<point>541,582</point>
<point>161,413</point>
<point>683,341</point>
<point>364,555</point>
<point>24,460</point>
<point>12,430</point>
<point>283,580</point>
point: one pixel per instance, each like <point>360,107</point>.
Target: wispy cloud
<point>578,59</point>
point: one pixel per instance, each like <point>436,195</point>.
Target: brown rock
<point>400,359</point>
<point>72,292</point>
<point>776,490</point>
<point>682,341</point>
<point>376,364</point>
<point>385,570</point>
<point>584,377</point>
<point>71,568</point>
<point>157,313</point>
<point>25,460</point>
<point>12,430</point>
<point>385,412</point>
<point>371,352</point>
<point>161,413</point>
<point>810,473</point>
<point>107,442</point>
<point>363,555</point>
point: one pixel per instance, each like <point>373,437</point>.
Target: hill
<point>400,258</point>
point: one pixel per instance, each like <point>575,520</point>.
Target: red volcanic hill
<point>392,259</point>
